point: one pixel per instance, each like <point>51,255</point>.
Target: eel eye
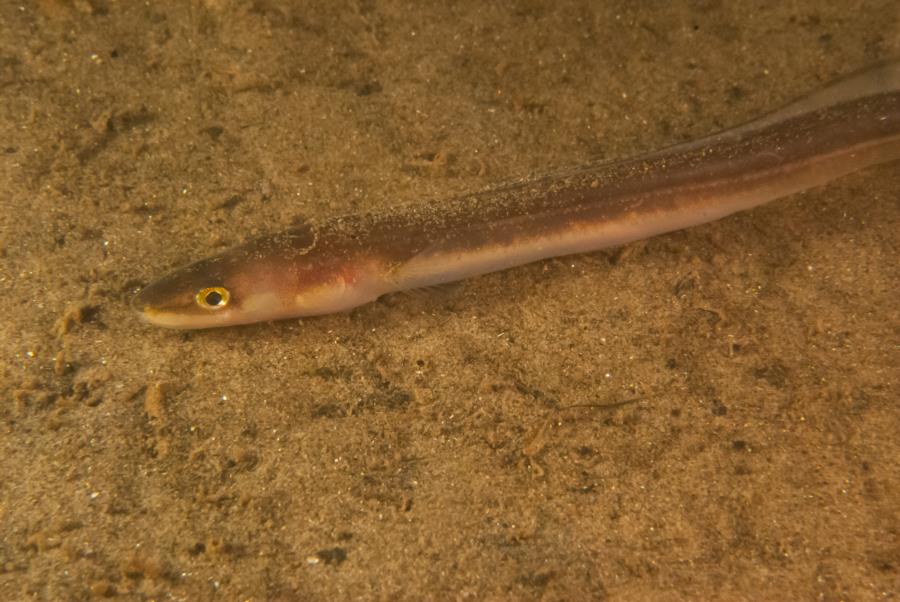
<point>213,297</point>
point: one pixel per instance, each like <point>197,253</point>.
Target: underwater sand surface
<point>710,414</point>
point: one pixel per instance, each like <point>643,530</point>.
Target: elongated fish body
<point>343,262</point>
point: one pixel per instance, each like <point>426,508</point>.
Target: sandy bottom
<point>711,414</point>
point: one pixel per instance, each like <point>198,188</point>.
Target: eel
<point>339,263</point>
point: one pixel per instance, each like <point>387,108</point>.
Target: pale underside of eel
<point>343,262</point>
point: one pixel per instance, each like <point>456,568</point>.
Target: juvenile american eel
<point>342,262</point>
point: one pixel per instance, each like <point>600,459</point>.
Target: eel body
<point>343,262</point>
